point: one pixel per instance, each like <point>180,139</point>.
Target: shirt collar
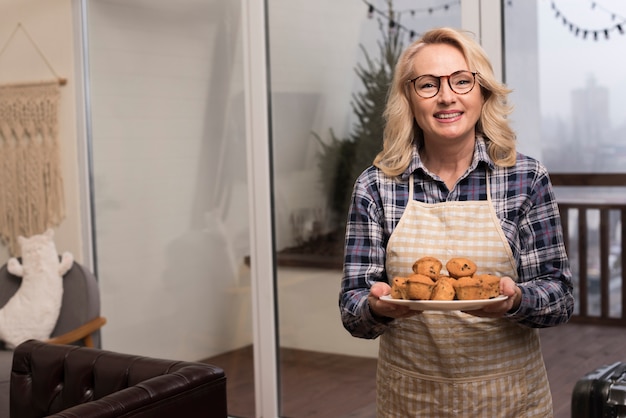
<point>480,155</point>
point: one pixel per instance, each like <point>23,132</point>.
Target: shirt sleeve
<point>545,276</point>
<point>363,260</point>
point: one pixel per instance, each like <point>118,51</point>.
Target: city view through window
<point>582,85</point>
<point>577,75</point>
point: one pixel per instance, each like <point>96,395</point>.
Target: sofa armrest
<point>70,381</point>
<point>183,394</point>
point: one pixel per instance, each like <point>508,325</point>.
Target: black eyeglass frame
<point>413,80</point>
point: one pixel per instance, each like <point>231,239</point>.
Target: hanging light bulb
<point>370,12</point>
<point>392,27</point>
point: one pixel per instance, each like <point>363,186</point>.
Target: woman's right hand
<point>382,308</point>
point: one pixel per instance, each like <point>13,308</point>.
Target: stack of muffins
<point>461,282</point>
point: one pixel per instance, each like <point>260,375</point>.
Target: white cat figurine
<point>33,311</point>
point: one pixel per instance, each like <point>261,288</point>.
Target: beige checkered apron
<point>452,364</point>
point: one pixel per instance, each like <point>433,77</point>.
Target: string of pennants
<point>618,22</point>
<point>394,22</point>
<point>584,32</point>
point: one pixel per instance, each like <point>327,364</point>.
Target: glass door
<point>318,60</point>
<point>170,183</point>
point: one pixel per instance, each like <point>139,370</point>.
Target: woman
<point>449,183</point>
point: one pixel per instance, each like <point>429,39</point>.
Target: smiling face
<point>447,117</point>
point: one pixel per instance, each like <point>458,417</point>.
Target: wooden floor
<point>323,385</point>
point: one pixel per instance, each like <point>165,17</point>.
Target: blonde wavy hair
<point>402,132</point>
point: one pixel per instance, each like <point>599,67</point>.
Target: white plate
<point>444,305</point>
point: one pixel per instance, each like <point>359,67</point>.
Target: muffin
<point>419,287</point>
<point>468,288</point>
<point>399,288</point>
<point>460,267</point>
<point>428,266</point>
<point>490,285</point>
<point>444,289</point>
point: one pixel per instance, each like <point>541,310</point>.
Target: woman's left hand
<point>495,310</point>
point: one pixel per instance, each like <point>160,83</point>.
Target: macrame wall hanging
<point>31,184</point>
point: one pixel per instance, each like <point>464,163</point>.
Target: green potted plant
<point>341,160</point>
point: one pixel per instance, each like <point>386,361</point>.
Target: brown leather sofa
<point>70,381</point>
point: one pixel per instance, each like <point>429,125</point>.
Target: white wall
<point>169,174</point>
<point>309,316</point>
<point>50,25</point>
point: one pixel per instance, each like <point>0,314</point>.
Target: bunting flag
<point>31,184</point>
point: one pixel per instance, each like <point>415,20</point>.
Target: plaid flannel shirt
<point>529,216</point>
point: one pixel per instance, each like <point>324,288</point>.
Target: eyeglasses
<point>460,82</point>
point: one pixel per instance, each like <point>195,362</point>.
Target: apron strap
<point>488,184</point>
